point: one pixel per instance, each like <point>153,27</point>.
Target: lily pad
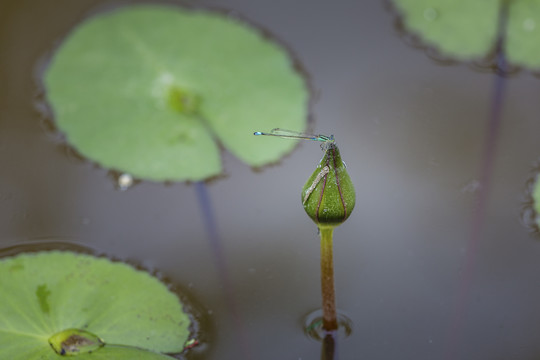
<point>467,30</point>
<point>81,305</point>
<point>536,200</point>
<point>151,89</point>
<point>523,33</point>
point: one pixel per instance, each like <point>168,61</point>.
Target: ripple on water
<point>312,325</point>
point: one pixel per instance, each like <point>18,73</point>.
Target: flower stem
<point>327,280</point>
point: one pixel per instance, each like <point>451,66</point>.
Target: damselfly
<point>290,134</point>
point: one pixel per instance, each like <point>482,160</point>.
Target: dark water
<point>412,133</point>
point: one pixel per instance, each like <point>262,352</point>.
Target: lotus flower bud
<point>328,196</point>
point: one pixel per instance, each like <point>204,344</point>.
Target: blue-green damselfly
<point>290,134</point>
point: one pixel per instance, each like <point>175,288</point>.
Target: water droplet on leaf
<point>430,14</point>
<point>529,24</point>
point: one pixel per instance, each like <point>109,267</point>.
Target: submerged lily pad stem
<point>329,198</point>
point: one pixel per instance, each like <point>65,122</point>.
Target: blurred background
<point>412,133</point>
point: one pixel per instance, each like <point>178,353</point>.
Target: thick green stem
<point>327,280</point>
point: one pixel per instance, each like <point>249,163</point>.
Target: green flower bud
<point>328,196</point>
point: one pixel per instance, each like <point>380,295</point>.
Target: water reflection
<point>462,302</point>
<point>328,351</point>
<point>222,267</point>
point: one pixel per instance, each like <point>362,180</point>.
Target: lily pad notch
<point>150,90</point>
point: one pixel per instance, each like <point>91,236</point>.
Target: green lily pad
<point>536,200</point>
<point>467,30</point>
<point>78,304</point>
<point>150,89</point>
<point>523,33</point>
